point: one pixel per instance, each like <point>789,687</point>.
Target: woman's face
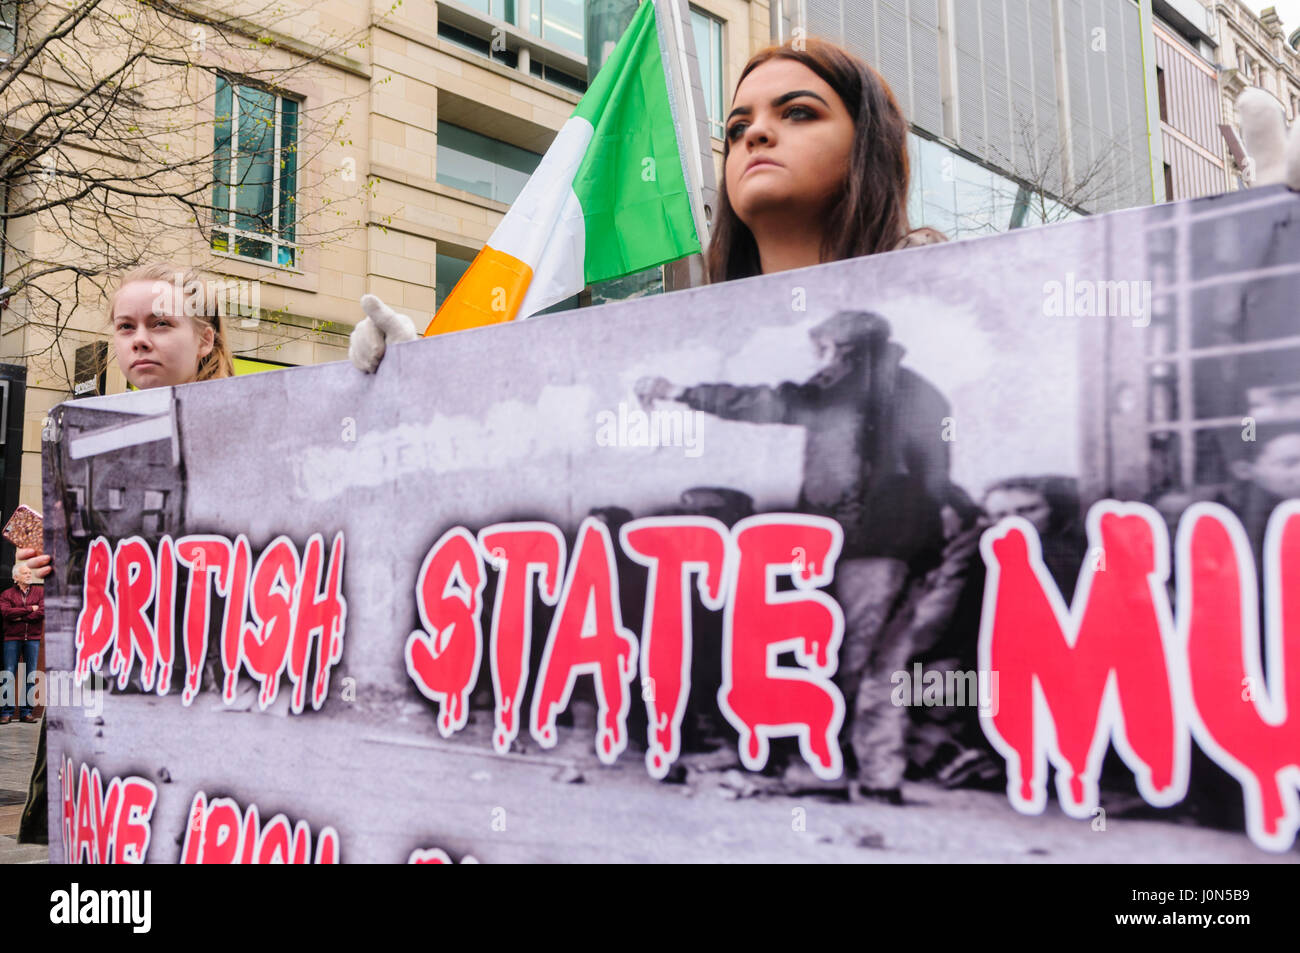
<point>156,349</point>
<point>789,138</point>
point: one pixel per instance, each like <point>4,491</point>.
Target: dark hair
<point>870,216</point>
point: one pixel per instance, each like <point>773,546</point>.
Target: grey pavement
<point>17,752</point>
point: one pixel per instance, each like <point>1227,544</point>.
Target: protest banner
<point>884,555</point>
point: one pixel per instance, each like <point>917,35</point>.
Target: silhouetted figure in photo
<point>875,462</point>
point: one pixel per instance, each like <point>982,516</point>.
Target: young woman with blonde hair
<point>167,330</point>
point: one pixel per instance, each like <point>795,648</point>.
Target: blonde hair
<point>217,362</point>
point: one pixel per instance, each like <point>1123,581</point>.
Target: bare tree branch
<point>113,150</point>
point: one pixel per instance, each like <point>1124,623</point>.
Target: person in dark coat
<point>22,609</point>
<point>875,462</point>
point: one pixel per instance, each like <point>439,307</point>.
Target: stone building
<point>390,140</point>
<point>1208,52</point>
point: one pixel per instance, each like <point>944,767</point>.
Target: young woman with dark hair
<point>815,165</point>
<point>816,170</point>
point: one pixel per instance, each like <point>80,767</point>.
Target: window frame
<point>1174,308</point>
<point>15,5</point>
<point>1246,64</point>
<point>463,36</point>
<point>232,233</point>
<point>717,127</point>
<point>443,124</point>
<point>537,9</point>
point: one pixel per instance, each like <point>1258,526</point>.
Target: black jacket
<point>874,455</point>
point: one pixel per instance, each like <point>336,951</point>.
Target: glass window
<point>976,205</point>
<point>639,284</point>
<point>8,26</point>
<point>501,9</point>
<point>557,76</point>
<point>708,48</point>
<point>563,22</point>
<point>1246,64</point>
<point>478,45</point>
<point>487,167</point>
<point>255,174</point>
<point>935,182</point>
<point>915,209</point>
<point>447,271</point>
<point>962,198</point>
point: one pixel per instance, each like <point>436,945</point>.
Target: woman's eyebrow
<point>780,101</point>
<point>795,94</point>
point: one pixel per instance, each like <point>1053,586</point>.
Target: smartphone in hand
<point>25,529</point>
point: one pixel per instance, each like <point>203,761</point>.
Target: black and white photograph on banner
<point>651,431</point>
<point>533,579</point>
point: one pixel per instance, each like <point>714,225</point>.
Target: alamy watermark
<point>55,689</point>
<point>938,688</point>
<point>633,427</point>
<point>227,297</point>
<point>1085,298</point>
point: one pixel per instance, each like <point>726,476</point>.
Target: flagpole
<point>682,64</point>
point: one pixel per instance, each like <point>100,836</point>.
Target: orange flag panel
<point>490,292</point>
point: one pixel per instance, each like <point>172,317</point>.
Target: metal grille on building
<point>991,76</point>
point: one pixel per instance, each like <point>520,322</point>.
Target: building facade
<point>1194,159</point>
<point>1022,111</point>
<point>374,148</point>
<point>1255,51</point>
<point>360,148</point>
<point>1207,53</point>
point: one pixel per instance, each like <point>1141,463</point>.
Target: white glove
<point>1273,153</point>
<point>372,335</point>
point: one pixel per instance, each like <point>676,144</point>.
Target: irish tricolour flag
<point>616,193</point>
